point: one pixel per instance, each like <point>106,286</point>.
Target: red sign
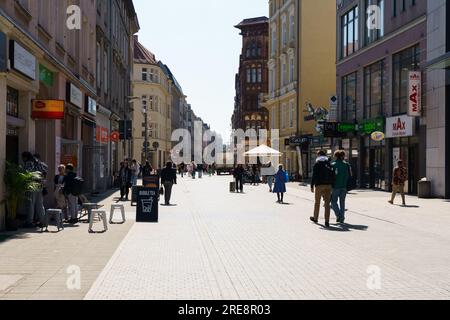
<point>415,92</point>
<point>48,109</point>
<point>115,136</point>
<point>102,134</point>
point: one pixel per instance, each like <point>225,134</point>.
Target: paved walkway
<point>36,265</point>
<point>217,245</point>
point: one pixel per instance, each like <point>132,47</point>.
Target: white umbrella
<point>263,151</point>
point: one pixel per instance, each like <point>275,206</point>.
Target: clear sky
<point>198,41</point>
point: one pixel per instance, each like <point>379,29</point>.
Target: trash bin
<point>424,189</point>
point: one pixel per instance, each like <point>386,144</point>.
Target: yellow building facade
<point>302,70</point>
<point>151,92</point>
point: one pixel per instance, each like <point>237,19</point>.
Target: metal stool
<point>101,214</point>
<point>58,214</point>
<point>115,207</point>
<point>89,207</point>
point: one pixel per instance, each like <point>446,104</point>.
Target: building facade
<point>374,68</point>
<point>302,77</point>
<point>49,57</point>
<point>438,97</point>
<point>152,89</point>
<point>252,79</point>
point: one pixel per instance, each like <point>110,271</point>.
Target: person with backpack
<point>342,173</point>
<point>73,187</point>
<point>34,200</point>
<point>322,185</point>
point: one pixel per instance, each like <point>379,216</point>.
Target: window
<point>271,80</point>
<point>249,75</point>
<point>283,116</point>
<point>144,103</point>
<point>274,40</point>
<point>254,75</point>
<point>259,75</point>
<point>283,74</point>
<point>374,90</point>
<point>291,70</point>
<point>292,26</point>
<point>349,32</point>
<point>12,102</point>
<point>291,114</point>
<point>403,62</point>
<point>373,35</point>
<point>144,74</point>
<point>349,97</point>
<point>284,31</point>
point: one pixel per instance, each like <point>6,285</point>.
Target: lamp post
<point>145,112</point>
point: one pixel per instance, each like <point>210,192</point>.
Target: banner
<point>48,109</point>
<point>401,126</point>
<point>415,94</point>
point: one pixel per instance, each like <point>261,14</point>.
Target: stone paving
<point>35,265</point>
<point>217,245</point>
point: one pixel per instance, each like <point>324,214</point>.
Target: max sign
<point>414,93</point>
<point>401,126</point>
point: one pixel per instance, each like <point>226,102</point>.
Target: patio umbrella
<point>263,151</point>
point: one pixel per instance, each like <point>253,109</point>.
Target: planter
<point>12,225</point>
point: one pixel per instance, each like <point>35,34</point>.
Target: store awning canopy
<point>263,151</point>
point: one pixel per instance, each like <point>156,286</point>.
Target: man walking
<point>322,184</point>
<point>400,177</point>
<point>342,175</point>
<point>239,177</point>
<point>168,179</point>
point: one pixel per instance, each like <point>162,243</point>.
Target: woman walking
<point>280,184</point>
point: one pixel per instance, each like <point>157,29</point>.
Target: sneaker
<point>391,202</point>
<point>313,220</point>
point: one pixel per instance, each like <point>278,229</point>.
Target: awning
<point>263,151</point>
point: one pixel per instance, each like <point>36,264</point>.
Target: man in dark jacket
<point>238,174</point>
<point>168,179</point>
<point>70,193</point>
<point>125,180</point>
<point>322,186</point>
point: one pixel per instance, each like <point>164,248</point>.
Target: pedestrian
<point>340,189</point>
<point>182,169</point>
<point>270,172</point>
<point>58,193</point>
<point>147,170</point>
<point>168,179</point>
<point>34,199</point>
<point>280,184</point>
<point>125,180</point>
<point>400,176</point>
<point>193,168</point>
<point>134,172</point>
<point>72,190</point>
<point>322,185</point>
<point>238,174</point>
<point>200,170</point>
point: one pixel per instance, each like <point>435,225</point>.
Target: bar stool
<point>115,207</point>
<point>101,215</point>
<point>58,215</point>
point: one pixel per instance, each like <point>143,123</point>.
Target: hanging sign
<point>401,126</point>
<point>415,94</point>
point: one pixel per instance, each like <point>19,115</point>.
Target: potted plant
<point>18,182</point>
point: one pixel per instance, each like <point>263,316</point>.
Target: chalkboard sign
<point>151,182</point>
<point>134,193</point>
<point>147,205</point>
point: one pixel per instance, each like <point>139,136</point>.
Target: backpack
<point>77,187</point>
<point>329,174</point>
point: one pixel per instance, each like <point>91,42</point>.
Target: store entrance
<point>376,169</point>
<point>12,149</point>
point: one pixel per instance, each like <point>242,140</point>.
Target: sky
<point>198,41</point>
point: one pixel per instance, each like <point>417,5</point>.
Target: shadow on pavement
<point>344,227</point>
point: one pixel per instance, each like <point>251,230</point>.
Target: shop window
<point>374,90</point>
<point>12,102</point>
<point>349,97</point>
<point>403,62</point>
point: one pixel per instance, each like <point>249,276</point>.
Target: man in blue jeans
<point>342,171</point>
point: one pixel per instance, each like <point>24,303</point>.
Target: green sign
<point>46,76</point>
<point>370,126</point>
<point>346,127</point>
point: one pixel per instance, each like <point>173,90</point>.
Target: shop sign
<point>48,109</point>
<point>346,127</point>
<point>91,106</point>
<point>46,76</point>
<point>74,95</point>
<point>22,60</point>
<point>330,130</point>
<point>378,136</point>
<point>370,126</point>
<point>401,126</point>
<point>101,134</point>
<point>115,136</point>
<point>333,114</point>
<point>415,94</point>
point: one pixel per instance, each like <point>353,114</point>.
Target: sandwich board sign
<point>147,204</point>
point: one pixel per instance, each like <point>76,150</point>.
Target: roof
<point>252,21</point>
<point>142,55</point>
